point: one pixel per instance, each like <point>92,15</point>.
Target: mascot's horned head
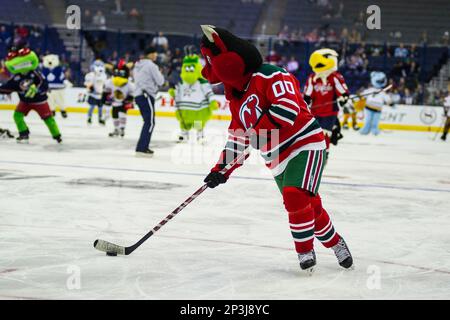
<point>229,59</point>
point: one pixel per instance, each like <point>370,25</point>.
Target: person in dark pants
<point>147,78</point>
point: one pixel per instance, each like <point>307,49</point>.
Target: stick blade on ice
<point>107,246</point>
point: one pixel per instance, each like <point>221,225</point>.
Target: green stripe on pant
<point>297,170</point>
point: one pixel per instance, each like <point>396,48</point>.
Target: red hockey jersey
<point>323,94</point>
<point>284,127</point>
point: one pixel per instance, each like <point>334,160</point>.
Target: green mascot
<point>193,98</point>
<point>32,89</point>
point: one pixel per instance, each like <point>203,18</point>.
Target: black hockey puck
<point>113,254</point>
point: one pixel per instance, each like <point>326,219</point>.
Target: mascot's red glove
<point>129,106</point>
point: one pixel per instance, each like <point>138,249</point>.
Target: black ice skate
<point>343,254</point>
<point>183,137</point>
<point>444,137</point>
<point>356,127</point>
<point>58,138</point>
<point>101,122</point>
<point>147,153</point>
<point>307,260</point>
<point>345,126</point>
<point>122,132</point>
<point>23,137</point>
<point>64,113</point>
<point>115,133</point>
<point>89,121</point>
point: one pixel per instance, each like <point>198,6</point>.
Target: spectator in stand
<point>376,50</point>
<point>355,36</point>
<point>408,97</point>
<point>114,59</point>
<point>99,20</point>
<point>340,10</point>
<point>273,58</point>
<point>136,15</point>
<point>401,85</point>
<point>344,35</point>
<point>5,35</point>
<point>87,17</point>
<point>331,35</point>
<point>395,96</point>
<point>297,35</point>
<point>328,12</point>
<point>420,95</point>
<point>36,32</point>
<point>355,62</point>
<point>401,51</point>
<point>293,65</point>
<point>424,37</point>
<point>22,31</point>
<point>160,43</point>
<point>360,19</point>
<point>323,3</point>
<point>414,69</point>
<point>313,36</point>
<point>283,35</point>
<point>413,53</point>
<point>445,38</point>
<point>21,34</point>
<point>118,9</point>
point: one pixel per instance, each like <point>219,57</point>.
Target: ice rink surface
<point>389,196</point>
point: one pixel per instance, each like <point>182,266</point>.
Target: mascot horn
<point>229,59</point>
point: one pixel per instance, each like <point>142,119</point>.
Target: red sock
<point>324,230</point>
<point>301,217</point>
<point>302,229</point>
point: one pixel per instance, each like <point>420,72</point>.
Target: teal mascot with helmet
<point>32,88</point>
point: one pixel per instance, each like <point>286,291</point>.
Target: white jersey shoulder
<point>375,98</point>
<point>98,83</point>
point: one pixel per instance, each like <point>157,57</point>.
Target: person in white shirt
<point>160,42</point>
<point>375,100</point>
<point>148,79</point>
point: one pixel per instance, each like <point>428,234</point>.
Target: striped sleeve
<point>207,91</point>
<point>284,111</point>
<point>237,143</point>
<point>339,84</point>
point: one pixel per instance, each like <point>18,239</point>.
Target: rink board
<point>400,117</point>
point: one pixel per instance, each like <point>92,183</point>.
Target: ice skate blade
<point>310,271</point>
<point>143,155</point>
<point>351,268</point>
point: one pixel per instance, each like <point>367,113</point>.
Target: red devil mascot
<point>269,113</point>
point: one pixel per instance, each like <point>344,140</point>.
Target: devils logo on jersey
<point>250,111</point>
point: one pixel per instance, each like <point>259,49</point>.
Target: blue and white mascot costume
<point>54,73</point>
<point>94,81</point>
<point>375,100</point>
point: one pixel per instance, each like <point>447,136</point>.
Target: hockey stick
<point>355,97</point>
<point>112,249</point>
